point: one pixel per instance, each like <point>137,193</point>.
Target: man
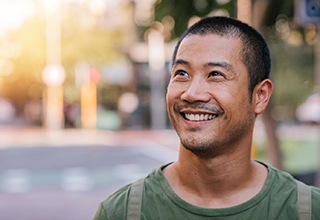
<point>219,85</point>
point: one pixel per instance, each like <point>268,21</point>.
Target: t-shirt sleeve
<point>115,206</point>
<point>315,203</point>
<point>101,213</point>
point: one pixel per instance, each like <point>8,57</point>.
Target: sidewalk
<point>32,137</point>
<point>37,136</point>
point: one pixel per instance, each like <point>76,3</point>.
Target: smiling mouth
<point>199,117</point>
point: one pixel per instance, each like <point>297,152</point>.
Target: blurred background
<point>82,95</point>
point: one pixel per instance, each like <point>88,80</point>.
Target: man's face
<point>207,98</point>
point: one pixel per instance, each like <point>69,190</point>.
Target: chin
<point>199,146</point>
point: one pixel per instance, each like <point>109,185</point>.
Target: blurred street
<point>65,174</point>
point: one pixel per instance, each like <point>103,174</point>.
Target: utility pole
<point>244,11</point>
<point>53,73</point>
<point>157,79</point>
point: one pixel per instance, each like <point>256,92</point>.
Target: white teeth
<point>190,117</point>
<point>199,117</point>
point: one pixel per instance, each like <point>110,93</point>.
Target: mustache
<point>199,106</point>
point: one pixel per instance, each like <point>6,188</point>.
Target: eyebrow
<point>222,64</point>
<point>180,61</point>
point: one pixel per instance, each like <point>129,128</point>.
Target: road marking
<point>80,179</point>
<point>76,179</point>
<point>16,181</point>
<point>129,172</point>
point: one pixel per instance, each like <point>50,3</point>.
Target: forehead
<point>210,47</point>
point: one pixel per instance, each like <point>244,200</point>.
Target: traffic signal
<point>307,12</point>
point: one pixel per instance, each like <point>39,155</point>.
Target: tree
<point>91,42</point>
<point>181,11</point>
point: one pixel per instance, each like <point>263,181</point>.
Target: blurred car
<point>309,111</point>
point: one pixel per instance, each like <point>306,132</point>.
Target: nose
<point>196,91</point>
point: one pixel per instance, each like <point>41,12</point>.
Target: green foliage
<point>96,45</point>
<point>293,76</point>
<point>25,82</point>
<point>182,11</point>
<point>276,8</point>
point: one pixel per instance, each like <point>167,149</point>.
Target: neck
<point>221,181</point>
<point>223,172</point>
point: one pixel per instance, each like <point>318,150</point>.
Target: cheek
<point>235,100</point>
<point>169,98</point>
<point>173,92</point>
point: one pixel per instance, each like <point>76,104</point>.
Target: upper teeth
<point>199,117</point>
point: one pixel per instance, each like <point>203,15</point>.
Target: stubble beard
<point>202,148</point>
<point>203,151</point>
<point>213,146</point>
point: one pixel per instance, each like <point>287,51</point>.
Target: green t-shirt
<point>276,200</point>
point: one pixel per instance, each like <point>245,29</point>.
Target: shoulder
<point>280,186</point>
<point>279,178</point>
<point>114,205</point>
<point>315,201</point>
<point>287,179</point>
<point>315,193</point>
<point>287,183</point>
<point>117,203</point>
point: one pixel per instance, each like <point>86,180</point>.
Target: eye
<point>181,73</point>
<point>215,74</point>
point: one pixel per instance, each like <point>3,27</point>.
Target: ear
<point>261,95</point>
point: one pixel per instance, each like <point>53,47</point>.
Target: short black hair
<point>255,53</point>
